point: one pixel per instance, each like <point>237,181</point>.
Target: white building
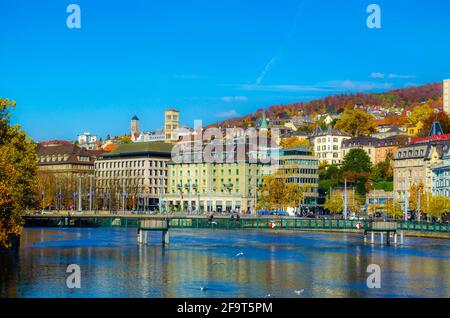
<point>447,96</point>
<point>328,145</point>
<point>152,136</point>
<point>87,141</point>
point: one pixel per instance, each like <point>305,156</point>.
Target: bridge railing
<point>264,223</point>
<point>228,223</point>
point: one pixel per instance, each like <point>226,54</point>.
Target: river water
<point>216,263</point>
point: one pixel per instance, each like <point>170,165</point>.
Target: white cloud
<point>229,99</point>
<point>330,86</point>
<point>229,113</point>
<point>357,86</point>
<point>377,75</point>
<point>401,76</point>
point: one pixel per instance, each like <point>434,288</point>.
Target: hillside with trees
<point>406,98</point>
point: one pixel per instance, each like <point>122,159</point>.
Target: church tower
<point>134,128</point>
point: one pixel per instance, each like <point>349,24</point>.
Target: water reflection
<point>322,264</point>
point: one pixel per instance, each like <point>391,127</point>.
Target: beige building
<point>171,125</point>
<point>447,96</point>
<point>137,171</point>
<point>413,165</point>
<point>327,145</point>
<point>366,143</point>
<point>377,149</point>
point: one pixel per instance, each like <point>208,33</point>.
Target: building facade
<point>87,141</point>
<point>377,149</point>
<point>133,176</point>
<point>299,166</point>
<point>152,136</point>
<point>441,176</point>
<point>225,182</point>
<point>327,145</point>
<point>63,157</point>
<point>413,165</point>
<point>376,201</point>
<point>171,124</point>
<point>447,96</point>
<point>366,143</point>
<point>64,171</point>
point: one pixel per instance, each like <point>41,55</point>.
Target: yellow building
<point>171,124</point>
<point>415,130</point>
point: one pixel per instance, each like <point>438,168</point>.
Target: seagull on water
<point>299,292</point>
<point>239,254</point>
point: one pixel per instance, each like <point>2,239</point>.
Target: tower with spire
<point>436,129</point>
<point>264,126</point>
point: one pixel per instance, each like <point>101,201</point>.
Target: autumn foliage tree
<point>443,119</point>
<point>294,142</point>
<point>276,193</point>
<point>334,204</point>
<point>393,209</point>
<point>17,174</point>
<point>357,123</point>
<point>419,114</point>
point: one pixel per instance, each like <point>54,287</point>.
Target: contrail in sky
<point>274,59</point>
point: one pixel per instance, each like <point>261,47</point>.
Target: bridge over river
<point>227,223</point>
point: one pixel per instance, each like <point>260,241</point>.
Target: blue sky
<point>208,58</point>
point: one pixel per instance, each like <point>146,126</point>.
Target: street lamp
<point>80,208</point>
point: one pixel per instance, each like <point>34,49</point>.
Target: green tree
<point>356,169</point>
<point>382,171</point>
<point>357,123</point>
<point>17,174</point>
<point>356,160</point>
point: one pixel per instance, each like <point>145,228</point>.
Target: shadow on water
<point>9,273</point>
